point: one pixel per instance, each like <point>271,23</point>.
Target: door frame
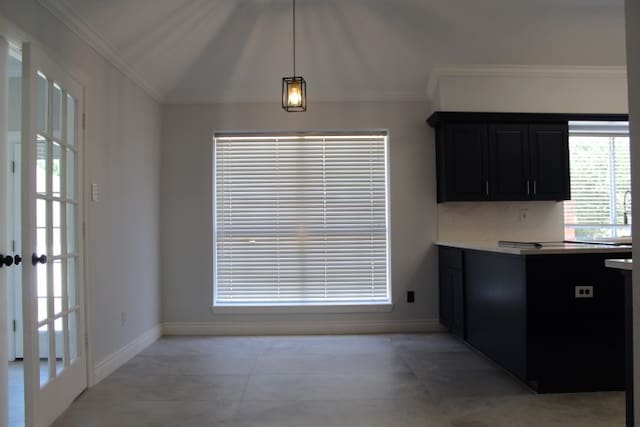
<point>16,36</point>
<point>14,302</point>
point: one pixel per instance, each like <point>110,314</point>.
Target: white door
<point>53,304</point>
<point>14,230</point>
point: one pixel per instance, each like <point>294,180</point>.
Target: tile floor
<point>16,389</point>
<point>16,395</point>
<point>364,380</point>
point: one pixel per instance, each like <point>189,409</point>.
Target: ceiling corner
<point>62,10</point>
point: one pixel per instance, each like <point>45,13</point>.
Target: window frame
<point>282,308</point>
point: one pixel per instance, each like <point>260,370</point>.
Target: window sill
<point>303,309</point>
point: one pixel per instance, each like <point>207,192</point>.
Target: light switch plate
<point>94,192</point>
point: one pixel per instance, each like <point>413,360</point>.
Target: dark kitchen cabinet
<point>501,157</point>
<point>529,162</point>
<point>549,162</point>
<point>463,161</point>
<point>452,290</point>
<point>575,344</point>
<point>509,154</point>
<point>496,308</point>
<point>525,313</point>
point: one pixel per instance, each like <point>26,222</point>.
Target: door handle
<point>6,260</point>
<point>35,259</point>
<point>17,259</point>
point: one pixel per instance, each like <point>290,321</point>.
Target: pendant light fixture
<point>294,89</point>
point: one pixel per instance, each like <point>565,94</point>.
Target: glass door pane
<point>56,203</point>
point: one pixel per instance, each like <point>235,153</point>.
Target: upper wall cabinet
<point>463,158</point>
<point>549,161</point>
<point>501,156</point>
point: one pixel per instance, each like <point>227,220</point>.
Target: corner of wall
<point>121,356</point>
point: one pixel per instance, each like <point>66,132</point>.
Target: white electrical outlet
<point>523,215</point>
<point>583,291</point>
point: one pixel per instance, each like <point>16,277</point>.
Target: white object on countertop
<point>621,264</point>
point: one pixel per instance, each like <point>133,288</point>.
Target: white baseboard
<point>302,327</point>
<point>118,358</point>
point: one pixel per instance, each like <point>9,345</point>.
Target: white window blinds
<point>600,181</point>
<point>301,219</point>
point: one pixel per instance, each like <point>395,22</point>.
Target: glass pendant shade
<point>294,94</point>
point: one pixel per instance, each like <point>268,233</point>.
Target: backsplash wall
<point>493,221</point>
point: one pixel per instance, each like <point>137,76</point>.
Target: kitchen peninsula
<point>551,314</point>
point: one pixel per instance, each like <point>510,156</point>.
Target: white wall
<point>535,89</point>
<point>122,157</point>
<point>187,231</point>
<point>633,67</point>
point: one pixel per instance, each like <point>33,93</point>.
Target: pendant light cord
<point>294,38</point>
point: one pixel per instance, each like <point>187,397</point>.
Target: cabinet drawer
<point>451,257</point>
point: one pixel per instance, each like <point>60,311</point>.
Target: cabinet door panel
<point>457,319</point>
<point>466,162</point>
<point>509,171</point>
<point>451,290</point>
<point>549,147</point>
<point>446,297</point>
<point>575,344</point>
<point>496,315</point>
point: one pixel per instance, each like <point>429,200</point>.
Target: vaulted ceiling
<point>238,50</point>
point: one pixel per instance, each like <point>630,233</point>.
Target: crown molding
<point>188,100</point>
<point>522,71</point>
<point>62,10</point>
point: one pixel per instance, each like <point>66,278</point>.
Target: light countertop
<point>548,248</point>
<point>621,264</point>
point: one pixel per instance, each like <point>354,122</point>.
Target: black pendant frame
<point>287,84</point>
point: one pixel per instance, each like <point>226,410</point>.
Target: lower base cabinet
<point>526,313</point>
<point>452,291</point>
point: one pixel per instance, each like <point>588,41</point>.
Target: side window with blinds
<point>301,219</point>
<point>600,205</point>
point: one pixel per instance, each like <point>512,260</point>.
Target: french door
<point>52,277</point>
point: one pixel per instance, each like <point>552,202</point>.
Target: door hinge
<point>13,246</point>
<point>14,326</point>
<point>86,341</point>
<point>13,166</point>
<point>84,121</point>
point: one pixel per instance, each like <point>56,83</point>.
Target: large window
<point>301,219</point>
<point>600,205</point>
